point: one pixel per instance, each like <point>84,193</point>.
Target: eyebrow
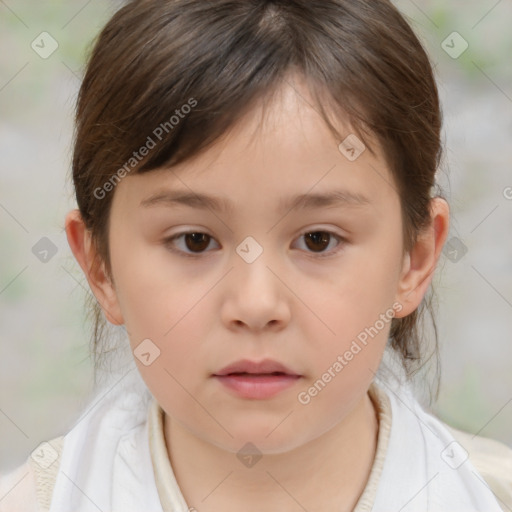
<point>308,201</point>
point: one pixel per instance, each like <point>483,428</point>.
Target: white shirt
<point>29,488</point>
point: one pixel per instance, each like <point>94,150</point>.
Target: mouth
<point>254,368</point>
<point>248,374</point>
<point>256,380</point>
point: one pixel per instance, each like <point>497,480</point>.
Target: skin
<point>289,304</point>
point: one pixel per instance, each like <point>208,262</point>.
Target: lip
<point>257,380</point>
<point>262,367</point>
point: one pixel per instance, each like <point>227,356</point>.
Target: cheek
<point>354,310</point>
<point>153,293</point>
<point>177,350</point>
<point>369,282</point>
<point>164,315</point>
<point>355,295</point>
<point>346,356</point>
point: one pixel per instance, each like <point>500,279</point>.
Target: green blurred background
<point>45,368</point>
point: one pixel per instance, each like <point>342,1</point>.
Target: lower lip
<point>258,386</point>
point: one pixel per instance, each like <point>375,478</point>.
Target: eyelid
<point>168,243</point>
<point>333,252</point>
<point>341,242</point>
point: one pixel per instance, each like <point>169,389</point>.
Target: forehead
<point>281,153</point>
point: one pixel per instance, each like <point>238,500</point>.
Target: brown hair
<point>223,56</point>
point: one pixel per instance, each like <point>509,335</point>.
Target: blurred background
<point>45,368</point>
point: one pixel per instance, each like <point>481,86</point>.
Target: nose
<point>255,297</point>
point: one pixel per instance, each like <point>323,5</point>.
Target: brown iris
<point>317,241</point>
<point>197,241</point>
<point>317,237</point>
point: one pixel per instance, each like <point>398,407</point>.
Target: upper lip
<point>247,366</point>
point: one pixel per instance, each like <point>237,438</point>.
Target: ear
<point>420,263</point>
<point>80,242</point>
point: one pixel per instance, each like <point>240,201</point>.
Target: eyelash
<point>341,240</point>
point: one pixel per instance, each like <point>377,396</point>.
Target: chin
<point>256,440</point>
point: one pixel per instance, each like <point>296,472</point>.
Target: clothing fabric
<point>427,468</point>
<point>115,459</point>
<point>106,462</point>
<point>492,460</point>
<point>170,493</point>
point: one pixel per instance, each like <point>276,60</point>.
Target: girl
<point>256,207</point>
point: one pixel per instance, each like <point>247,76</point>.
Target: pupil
<point>320,237</point>
<point>197,238</point>
<point>199,241</point>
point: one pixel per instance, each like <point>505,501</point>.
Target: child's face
<point>288,304</point>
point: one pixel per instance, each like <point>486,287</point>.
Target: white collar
<point>106,462</point>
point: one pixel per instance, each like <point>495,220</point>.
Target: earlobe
<point>80,242</point>
<point>420,263</point>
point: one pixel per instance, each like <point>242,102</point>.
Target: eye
<point>317,241</point>
<point>195,241</point>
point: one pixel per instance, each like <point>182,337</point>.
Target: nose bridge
<point>250,249</point>
<point>255,295</point>
<point>252,261</point>
<point>258,261</point>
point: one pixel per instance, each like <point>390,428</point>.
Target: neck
<point>329,472</point>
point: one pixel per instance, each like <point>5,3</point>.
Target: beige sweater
<point>29,488</point>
